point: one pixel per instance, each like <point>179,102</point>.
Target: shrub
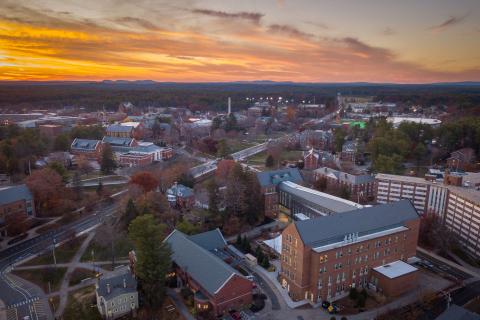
<point>353,294</point>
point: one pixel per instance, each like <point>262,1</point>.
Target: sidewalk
<point>31,234</point>
<point>182,308</point>
<point>272,278</point>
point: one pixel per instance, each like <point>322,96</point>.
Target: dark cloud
<point>450,22</point>
<point>254,17</point>
<point>289,30</point>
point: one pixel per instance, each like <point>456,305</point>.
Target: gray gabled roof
<point>268,178</point>
<point>458,313</point>
<point>85,144</point>
<point>180,190</point>
<point>209,240</point>
<point>120,282</point>
<point>119,128</point>
<point>203,266</point>
<point>117,141</point>
<point>14,193</point>
<point>333,228</point>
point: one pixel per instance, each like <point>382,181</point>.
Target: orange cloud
<point>237,46</point>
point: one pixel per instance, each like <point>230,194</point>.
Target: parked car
<point>235,315</point>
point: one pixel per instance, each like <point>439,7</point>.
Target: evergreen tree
<point>61,143</point>
<point>269,162</point>
<point>213,198</point>
<point>108,163</point>
<point>231,123</point>
<point>153,257</point>
<point>131,212</point>
<point>239,240</point>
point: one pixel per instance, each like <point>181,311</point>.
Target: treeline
<point>214,95</point>
<point>390,148</point>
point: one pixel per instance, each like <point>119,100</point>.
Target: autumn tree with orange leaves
<point>145,180</point>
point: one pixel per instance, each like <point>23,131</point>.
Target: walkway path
<point>64,286</point>
<point>75,265</point>
<point>258,230</point>
<point>182,308</point>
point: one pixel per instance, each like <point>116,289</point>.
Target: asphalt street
<point>22,299</point>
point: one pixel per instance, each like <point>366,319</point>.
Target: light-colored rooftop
<point>395,269</point>
<point>397,120</point>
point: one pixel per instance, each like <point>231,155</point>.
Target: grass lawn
<point>235,145</point>
<point>63,253</point>
<point>42,277</point>
<point>259,159</point>
<point>79,274</point>
<point>82,305</point>
<point>103,252</point>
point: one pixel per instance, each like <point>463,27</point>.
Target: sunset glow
<point>303,41</point>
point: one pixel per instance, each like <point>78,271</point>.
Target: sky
<point>407,41</point>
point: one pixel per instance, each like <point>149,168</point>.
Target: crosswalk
<point>35,305</point>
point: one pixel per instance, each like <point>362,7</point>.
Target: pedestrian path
<point>182,308</point>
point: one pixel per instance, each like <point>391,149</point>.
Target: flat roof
<point>395,269</point>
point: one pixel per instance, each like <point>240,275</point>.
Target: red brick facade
<point>233,295</point>
<point>135,159</point>
<point>328,275</point>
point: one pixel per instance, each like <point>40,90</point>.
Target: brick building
<point>135,159</point>
<point>360,186</point>
<point>323,258</point>
<point>91,149</point>
<point>15,200</point>
<point>201,264</point>
<point>269,181</point>
<point>313,159</point>
<point>181,196</point>
<point>461,158</point>
<point>126,130</point>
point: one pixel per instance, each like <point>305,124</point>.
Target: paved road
<point>21,299</point>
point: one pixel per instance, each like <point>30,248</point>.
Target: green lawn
<point>63,253</point>
<point>82,305</point>
<point>42,277</point>
<point>259,159</point>
<point>79,274</point>
<point>239,144</point>
<point>103,252</point>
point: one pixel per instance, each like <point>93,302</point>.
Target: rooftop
<point>333,228</point>
<point>121,281</point>
<point>268,178</point>
<point>180,190</point>
<point>14,193</point>
<point>85,144</point>
<point>116,141</point>
<point>325,200</point>
<point>119,128</point>
<point>395,269</point>
<point>203,266</point>
<point>345,177</point>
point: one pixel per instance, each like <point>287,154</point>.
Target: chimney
<point>229,105</point>
<point>108,287</point>
<point>124,282</point>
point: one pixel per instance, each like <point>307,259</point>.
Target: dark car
<point>235,315</point>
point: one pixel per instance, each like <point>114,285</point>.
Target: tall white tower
<point>229,105</point>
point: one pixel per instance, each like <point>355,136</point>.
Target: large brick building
<point>15,200</point>
<point>323,258</point>
<point>201,264</point>
<point>269,181</point>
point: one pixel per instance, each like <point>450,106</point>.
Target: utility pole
<point>53,252</point>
